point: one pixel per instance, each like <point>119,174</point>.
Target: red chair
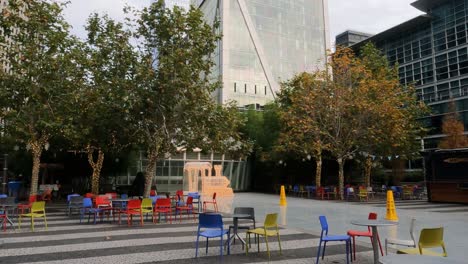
<point>22,207</point>
<point>320,192</point>
<point>368,233</point>
<point>89,195</point>
<point>104,204</point>
<point>3,216</point>
<point>153,193</point>
<point>215,205</point>
<point>188,207</point>
<point>163,205</point>
<point>133,208</point>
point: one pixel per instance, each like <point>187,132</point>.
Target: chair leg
<point>268,248</point>
<point>206,250</point>
<point>386,245</point>
<point>348,248</point>
<point>221,248</point>
<point>196,246</point>
<point>32,223</point>
<point>318,252</point>
<point>19,222</point>
<point>258,242</point>
<point>354,247</point>
<point>45,221</point>
<point>324,247</point>
<point>279,243</point>
<point>247,240</point>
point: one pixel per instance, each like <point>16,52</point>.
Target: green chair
<point>37,210</point>
<point>270,228</point>
<point>429,238</point>
<point>147,207</point>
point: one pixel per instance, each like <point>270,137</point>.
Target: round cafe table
<point>417,259</point>
<point>374,224</point>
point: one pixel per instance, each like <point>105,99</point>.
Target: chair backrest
<point>245,210</point>
<point>38,207</point>
<point>89,195</point>
<point>296,188</point>
<point>147,203</point>
<point>3,196</point>
<point>112,195</point>
<point>124,196</point>
<point>153,198</point>
<point>431,237</point>
<point>87,202</point>
<point>32,198</point>
<point>372,216</point>
<point>71,195</point>
<point>153,193</point>
<point>103,200</point>
<point>134,204</point>
<point>195,195</point>
<point>271,220</point>
<point>10,200</point>
<point>214,196</point>
<point>369,188</point>
<point>76,199</point>
<point>350,190</point>
<point>163,202</point>
<point>210,221</point>
<point>179,193</point>
<point>411,229</point>
<point>189,201</point>
<point>324,224</point>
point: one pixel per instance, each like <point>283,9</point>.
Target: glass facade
<point>170,172</point>
<point>433,56</point>
<point>265,42</point>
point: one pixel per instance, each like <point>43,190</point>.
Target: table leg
<point>375,247</point>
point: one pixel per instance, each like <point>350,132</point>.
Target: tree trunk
<point>368,170</point>
<point>36,149</point>
<point>150,171</point>
<point>96,166</point>
<point>341,177</point>
<point>318,170</point>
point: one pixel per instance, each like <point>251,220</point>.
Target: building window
<point>265,90</point>
<point>245,88</point>
<point>255,89</point>
<point>235,87</point>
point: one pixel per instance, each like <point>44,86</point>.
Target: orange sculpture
<point>198,178</point>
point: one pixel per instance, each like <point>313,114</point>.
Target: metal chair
<point>213,227</point>
<point>401,242</point>
<point>324,237</point>
<point>429,238</point>
<point>270,228</point>
<point>75,202</point>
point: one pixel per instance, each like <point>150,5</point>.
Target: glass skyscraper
<point>431,51</point>
<point>265,42</point>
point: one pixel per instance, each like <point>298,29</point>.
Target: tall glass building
<point>265,42</point>
<point>431,51</point>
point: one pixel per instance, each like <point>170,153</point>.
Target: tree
<point>35,47</point>
<point>395,123</point>
<point>98,117</point>
<point>173,79</point>
<point>361,107</point>
<point>300,114</point>
<point>453,130</point>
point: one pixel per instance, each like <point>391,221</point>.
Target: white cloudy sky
<point>370,16</point>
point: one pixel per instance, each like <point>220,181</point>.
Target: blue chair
<point>3,195</point>
<point>213,225</point>
<point>196,199</point>
<point>69,198</point>
<point>326,238</point>
<point>296,190</point>
<point>88,209</point>
<point>124,196</point>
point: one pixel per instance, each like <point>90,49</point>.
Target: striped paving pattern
<point>421,206</point>
<point>68,241</point>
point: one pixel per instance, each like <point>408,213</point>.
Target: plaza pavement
<point>68,241</point>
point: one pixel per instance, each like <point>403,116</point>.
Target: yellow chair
<point>429,238</point>
<point>37,210</point>
<point>147,207</point>
<point>270,228</point>
<point>363,195</point>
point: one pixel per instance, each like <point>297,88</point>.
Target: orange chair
<point>104,204</point>
<point>47,195</point>
<point>163,205</point>
<point>133,208</point>
<point>22,207</point>
<point>215,205</point>
<point>188,207</point>
<point>368,233</point>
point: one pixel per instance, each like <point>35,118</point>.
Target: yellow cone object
<point>391,210</point>
<point>282,197</point>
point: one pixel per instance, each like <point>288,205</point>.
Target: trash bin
<point>13,188</point>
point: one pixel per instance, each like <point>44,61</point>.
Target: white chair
<point>401,242</point>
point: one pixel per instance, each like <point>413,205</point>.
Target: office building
<point>350,37</point>
<point>265,42</point>
<point>431,51</point>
